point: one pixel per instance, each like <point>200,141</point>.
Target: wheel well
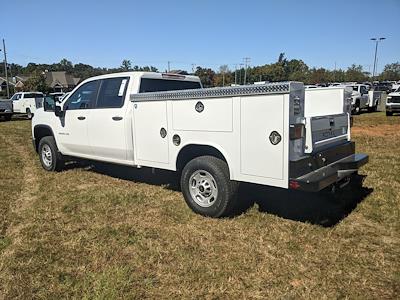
<point>40,132</point>
<point>189,152</point>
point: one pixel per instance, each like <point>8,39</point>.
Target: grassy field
<point>97,232</point>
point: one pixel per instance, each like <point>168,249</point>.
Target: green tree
<point>206,76</point>
<point>355,73</point>
<point>391,72</point>
<point>126,65</point>
<point>37,83</point>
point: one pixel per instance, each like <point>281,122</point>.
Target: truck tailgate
<point>325,131</point>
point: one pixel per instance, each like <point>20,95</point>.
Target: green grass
<point>85,234</point>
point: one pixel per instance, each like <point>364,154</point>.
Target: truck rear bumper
<point>340,163</point>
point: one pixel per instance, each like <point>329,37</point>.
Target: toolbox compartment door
<point>259,117</point>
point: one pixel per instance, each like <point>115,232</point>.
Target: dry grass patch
<point>108,233</point>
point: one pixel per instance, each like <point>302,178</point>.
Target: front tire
<point>7,117</point>
<point>29,114</point>
<point>50,158</point>
<point>389,113</point>
<point>207,188</point>
<point>357,109</point>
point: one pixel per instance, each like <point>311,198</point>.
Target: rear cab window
<point>112,92</point>
<point>148,85</point>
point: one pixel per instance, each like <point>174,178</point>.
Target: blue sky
<point>207,33</point>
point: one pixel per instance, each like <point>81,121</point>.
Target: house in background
<point>3,84</point>
<point>61,81</point>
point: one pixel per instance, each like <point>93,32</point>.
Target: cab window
<point>84,97</point>
<point>112,92</point>
<point>16,97</point>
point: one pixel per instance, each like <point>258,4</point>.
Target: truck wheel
<point>389,113</point>
<point>7,117</point>
<point>29,114</point>
<point>207,188</point>
<point>50,158</point>
<point>357,109</point>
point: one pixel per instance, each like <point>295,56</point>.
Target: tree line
<point>282,70</point>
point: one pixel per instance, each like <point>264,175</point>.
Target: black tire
<point>7,117</point>
<point>56,159</point>
<point>29,114</point>
<point>357,109</point>
<point>225,202</point>
<point>389,113</point>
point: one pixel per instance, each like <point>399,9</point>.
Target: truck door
<point>364,96</point>
<point>262,139</point>
<point>72,133</point>
<point>17,102</point>
<point>151,131</point>
<point>106,126</point>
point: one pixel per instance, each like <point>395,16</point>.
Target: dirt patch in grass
<point>383,130</point>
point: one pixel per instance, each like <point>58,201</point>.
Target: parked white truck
<point>393,103</point>
<point>27,103</point>
<point>360,98</point>
<point>215,137</point>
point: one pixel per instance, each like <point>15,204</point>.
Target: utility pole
<point>235,74</point>
<point>169,69</point>
<point>376,40</point>
<point>246,63</point>
<point>240,74</point>
<point>5,68</point>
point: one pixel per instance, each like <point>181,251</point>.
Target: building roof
<point>60,78</point>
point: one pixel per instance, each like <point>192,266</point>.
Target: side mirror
<point>58,111</point>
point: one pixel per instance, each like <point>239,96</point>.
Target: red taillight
<point>294,185</point>
<point>296,131</point>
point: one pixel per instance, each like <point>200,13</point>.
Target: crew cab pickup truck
<point>360,97</point>
<point>27,102</point>
<point>214,137</point>
<point>393,103</point>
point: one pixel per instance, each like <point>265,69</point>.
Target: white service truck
<point>360,97</point>
<point>27,103</point>
<point>393,103</point>
<point>215,137</point>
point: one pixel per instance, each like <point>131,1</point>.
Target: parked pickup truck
<point>360,97</point>
<point>214,137</point>
<point>393,103</point>
<point>27,102</point>
<point>6,109</point>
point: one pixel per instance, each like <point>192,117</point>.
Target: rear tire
<point>50,158</point>
<point>7,117</point>
<point>29,114</point>
<point>389,113</point>
<point>207,188</point>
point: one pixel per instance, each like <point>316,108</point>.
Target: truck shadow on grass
<point>322,209</point>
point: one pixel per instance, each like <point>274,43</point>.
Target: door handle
<point>117,118</point>
<point>81,118</point>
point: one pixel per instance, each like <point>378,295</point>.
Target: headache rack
<point>269,88</point>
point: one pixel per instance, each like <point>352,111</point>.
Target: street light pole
<point>376,40</point>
